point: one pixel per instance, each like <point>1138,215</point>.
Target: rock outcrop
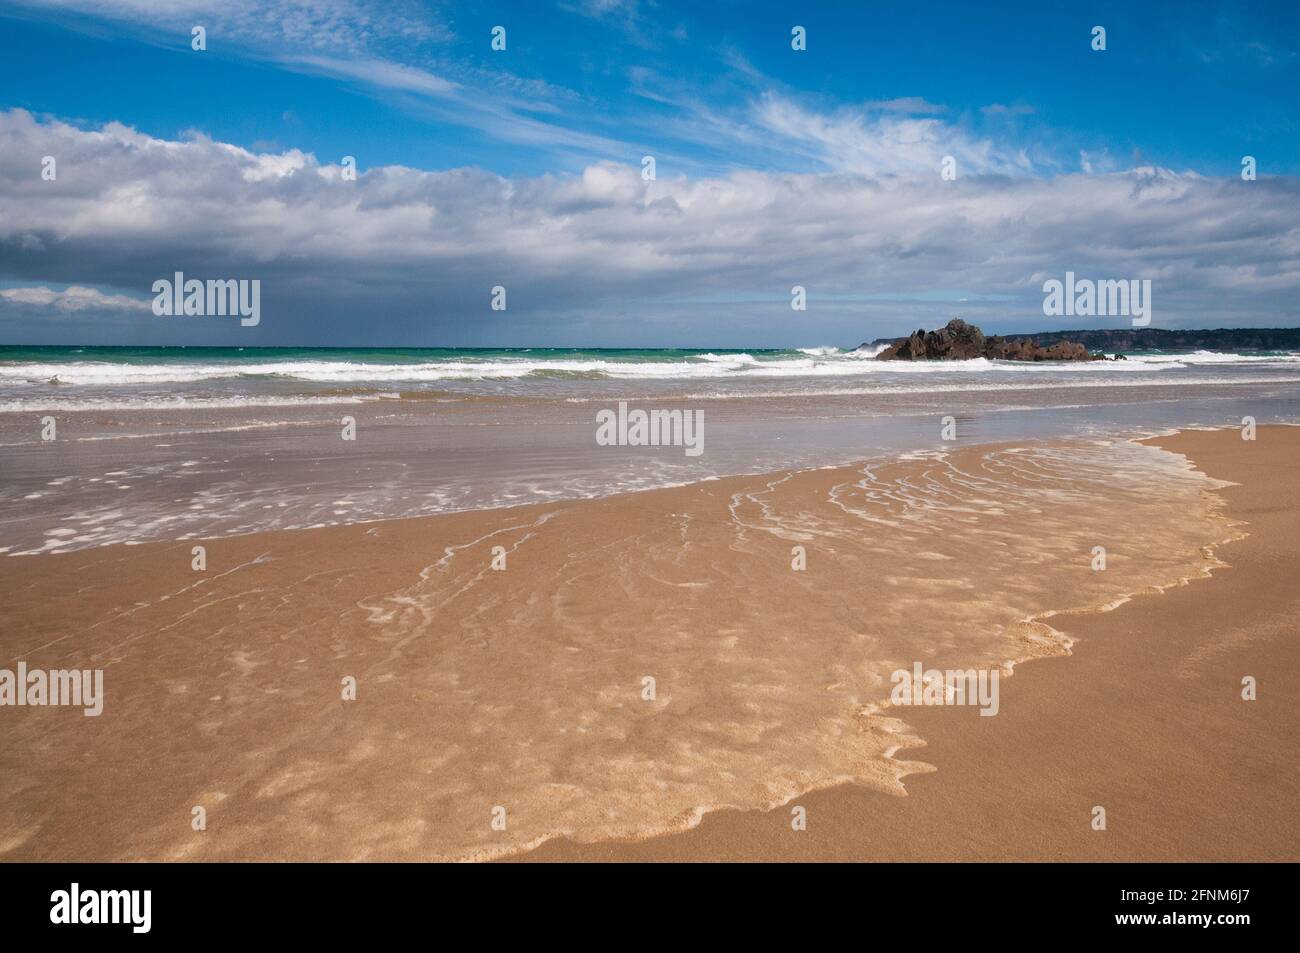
<point>1167,340</point>
<point>959,341</point>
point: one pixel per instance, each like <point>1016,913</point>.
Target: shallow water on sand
<point>116,475</point>
<point>525,688</point>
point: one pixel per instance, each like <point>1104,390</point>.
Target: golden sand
<point>526,688</point>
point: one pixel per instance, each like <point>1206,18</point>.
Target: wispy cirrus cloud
<point>912,105</point>
<point>353,26</point>
<point>1005,110</point>
<point>386,49</point>
<point>403,52</point>
<point>874,142</point>
<point>375,72</point>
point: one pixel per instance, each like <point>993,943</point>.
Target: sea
<point>105,445</point>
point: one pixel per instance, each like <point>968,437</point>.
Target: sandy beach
<point>500,661</point>
<point>1144,718</point>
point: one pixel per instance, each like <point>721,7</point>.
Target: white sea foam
<point>813,362</point>
<point>958,386</point>
<point>1197,358</point>
<point>41,405</point>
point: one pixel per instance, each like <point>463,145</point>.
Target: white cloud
<point>915,105</point>
<point>870,143</point>
<point>73,298</point>
<point>128,208</point>
<point>378,73</point>
<point>338,25</point>
<point>1004,110</point>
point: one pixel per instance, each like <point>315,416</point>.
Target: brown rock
<point>959,341</point>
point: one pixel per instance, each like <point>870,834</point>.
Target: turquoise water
<point>34,378</point>
<point>379,355</point>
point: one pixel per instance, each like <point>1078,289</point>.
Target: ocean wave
<point>803,362</point>
<point>1197,358</point>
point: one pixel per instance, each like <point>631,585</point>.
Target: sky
<point>525,168</point>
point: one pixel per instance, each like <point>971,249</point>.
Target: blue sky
<point>1181,85</point>
<point>540,147</point>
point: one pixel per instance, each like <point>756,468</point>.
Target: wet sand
<point>1145,719</point>
<point>525,689</point>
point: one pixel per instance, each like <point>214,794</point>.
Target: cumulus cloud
<point>403,255</point>
<point>73,298</point>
